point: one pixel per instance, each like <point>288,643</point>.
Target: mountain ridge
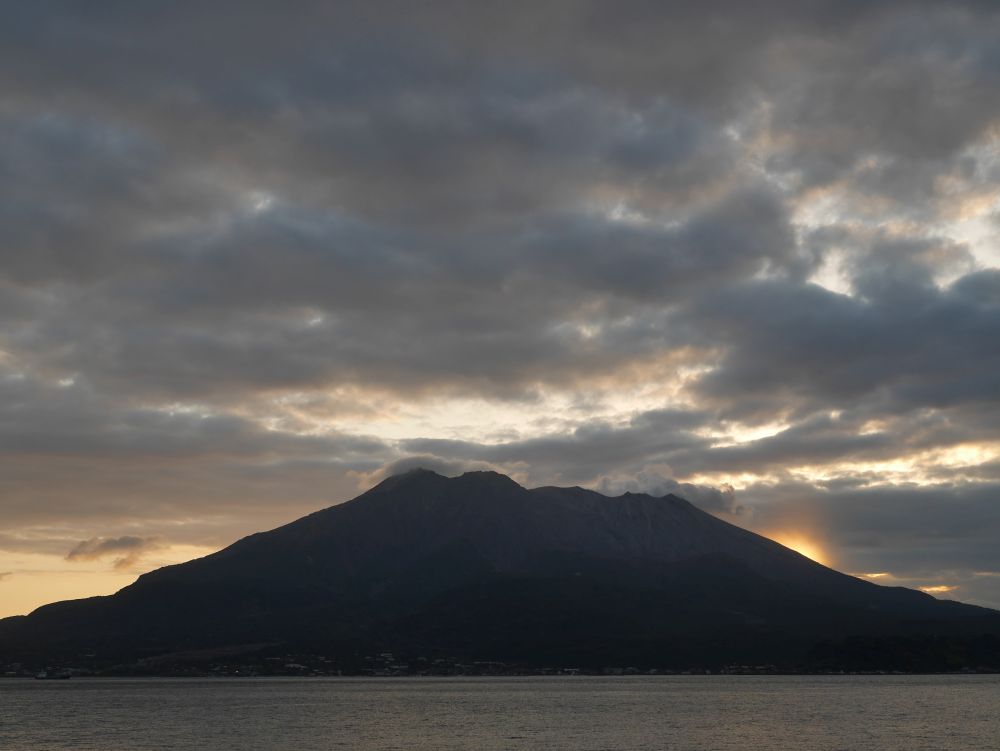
<point>480,567</point>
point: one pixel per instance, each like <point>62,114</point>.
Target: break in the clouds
<point>254,258</point>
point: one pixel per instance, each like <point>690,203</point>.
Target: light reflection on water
<point>686,713</point>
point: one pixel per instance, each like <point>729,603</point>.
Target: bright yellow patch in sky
<point>22,592</point>
<point>802,544</point>
<point>30,580</point>
<point>938,589</point>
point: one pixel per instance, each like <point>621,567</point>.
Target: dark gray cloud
<point>88,550</point>
<point>126,552</point>
<point>909,345</point>
<point>879,98</point>
<point>583,456</point>
<point>349,301</point>
<point>252,260</point>
<point>70,417</point>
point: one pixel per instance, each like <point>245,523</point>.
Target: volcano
<point>479,568</point>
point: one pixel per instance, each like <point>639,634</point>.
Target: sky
<point>255,257</point>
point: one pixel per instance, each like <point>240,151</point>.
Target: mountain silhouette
<point>477,567</point>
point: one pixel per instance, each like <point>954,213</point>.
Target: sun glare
<point>802,544</point>
<point>938,589</point>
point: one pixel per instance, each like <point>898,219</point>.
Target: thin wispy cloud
<point>125,551</point>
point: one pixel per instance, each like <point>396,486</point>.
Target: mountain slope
<point>479,567</point>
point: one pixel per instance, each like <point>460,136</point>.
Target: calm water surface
<point>682,712</point>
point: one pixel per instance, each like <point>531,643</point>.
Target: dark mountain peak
<point>420,476</point>
<point>647,496</point>
<point>406,480</point>
<point>416,474</point>
<point>488,478</point>
<point>668,501</point>
<point>488,483</point>
<point>425,483</point>
<point>478,566</point>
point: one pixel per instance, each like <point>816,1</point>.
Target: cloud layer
<point>252,260</point>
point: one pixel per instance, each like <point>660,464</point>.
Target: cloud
<point>433,463</point>
<point>583,455</point>
<point>721,499</point>
<point>128,549</point>
<point>612,246</point>
<point>806,346</point>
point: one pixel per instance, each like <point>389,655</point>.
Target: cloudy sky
<point>255,256</point>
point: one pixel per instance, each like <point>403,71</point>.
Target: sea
<point>687,713</point>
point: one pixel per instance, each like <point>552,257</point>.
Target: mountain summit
<point>477,567</point>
